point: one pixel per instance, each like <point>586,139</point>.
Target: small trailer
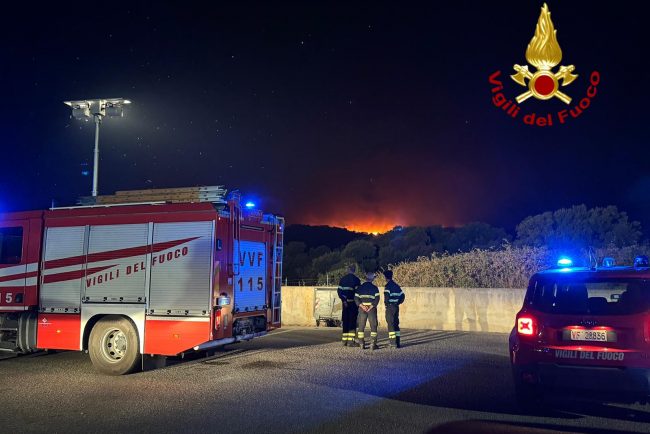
<point>327,307</point>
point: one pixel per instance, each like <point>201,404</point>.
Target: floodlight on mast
<point>97,109</point>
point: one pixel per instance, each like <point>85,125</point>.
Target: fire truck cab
<point>124,277</point>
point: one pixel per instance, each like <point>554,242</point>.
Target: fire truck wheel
<point>113,346</point>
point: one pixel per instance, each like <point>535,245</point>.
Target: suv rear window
<point>590,297</point>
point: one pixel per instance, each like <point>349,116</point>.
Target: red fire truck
<point>127,277</point>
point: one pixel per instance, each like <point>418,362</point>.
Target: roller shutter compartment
<point>181,268</point>
<point>117,263</point>
<point>63,269</point>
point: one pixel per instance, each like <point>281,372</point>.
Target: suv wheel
<point>530,397</point>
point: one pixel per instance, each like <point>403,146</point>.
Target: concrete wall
<point>471,309</point>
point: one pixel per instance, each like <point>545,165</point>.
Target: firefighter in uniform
<point>347,287</point>
<point>367,298</point>
<point>393,297</point>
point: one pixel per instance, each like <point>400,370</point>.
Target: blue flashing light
<point>250,205</point>
<point>564,262</point>
<point>608,262</point>
<point>641,261</point>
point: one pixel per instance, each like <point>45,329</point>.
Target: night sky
<point>364,115</point>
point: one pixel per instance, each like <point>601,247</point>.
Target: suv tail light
<point>526,325</point>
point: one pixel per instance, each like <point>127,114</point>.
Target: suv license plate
<point>589,335</point>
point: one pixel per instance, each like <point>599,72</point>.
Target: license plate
<point>589,335</point>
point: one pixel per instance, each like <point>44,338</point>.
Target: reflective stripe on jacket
<point>367,294</point>
<point>393,294</point>
<point>347,287</point>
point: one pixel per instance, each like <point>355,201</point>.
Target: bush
<point>509,267</point>
<point>579,226</point>
<point>327,262</point>
<point>333,276</point>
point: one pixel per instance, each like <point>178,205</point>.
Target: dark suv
<point>584,330</point>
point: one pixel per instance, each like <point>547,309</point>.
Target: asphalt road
<point>298,380</point>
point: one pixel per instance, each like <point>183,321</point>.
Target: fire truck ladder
<point>278,243</point>
<point>215,194</point>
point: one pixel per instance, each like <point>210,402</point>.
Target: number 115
<point>260,283</point>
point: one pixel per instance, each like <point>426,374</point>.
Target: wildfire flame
<point>543,51</point>
<point>370,227</point>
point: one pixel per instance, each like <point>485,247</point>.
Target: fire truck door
<point>15,272</point>
<point>250,284</point>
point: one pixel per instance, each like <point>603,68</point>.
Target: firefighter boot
<point>397,342</point>
<point>374,345</point>
<point>352,343</point>
<point>362,343</point>
<point>391,343</point>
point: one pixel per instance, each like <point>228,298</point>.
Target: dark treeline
<point>314,254</point>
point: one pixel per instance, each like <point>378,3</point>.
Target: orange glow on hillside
<point>373,225</point>
<point>370,227</point>
<point>358,223</point>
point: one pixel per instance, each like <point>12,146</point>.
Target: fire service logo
<point>544,54</point>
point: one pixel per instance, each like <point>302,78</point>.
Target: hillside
<point>315,236</point>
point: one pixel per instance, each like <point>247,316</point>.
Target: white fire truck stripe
<point>16,282</point>
<point>178,318</point>
<point>16,269</point>
<point>14,307</point>
<point>32,267</point>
